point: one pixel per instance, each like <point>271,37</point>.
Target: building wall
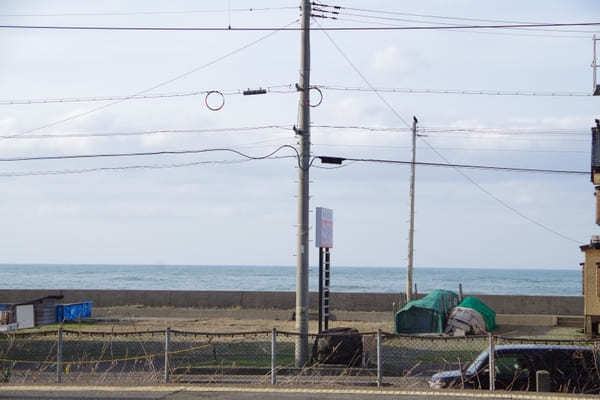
<point>591,287</point>
<point>502,304</point>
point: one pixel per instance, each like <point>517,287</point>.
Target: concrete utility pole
<point>303,132</point>
<point>411,231</point>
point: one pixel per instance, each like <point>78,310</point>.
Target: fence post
<point>274,357</point>
<point>492,365</point>
<point>59,351</point>
<point>379,360</point>
<point>542,381</point>
<point>167,340</point>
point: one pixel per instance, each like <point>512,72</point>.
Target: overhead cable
<point>147,132</point>
<point>268,28</point>
<point>467,166</point>
<point>458,91</point>
<point>284,88</point>
<point>147,153</point>
<point>341,10</point>
<point>72,171</point>
<point>157,12</point>
<point>160,84</point>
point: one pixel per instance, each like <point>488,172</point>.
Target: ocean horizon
<point>528,281</point>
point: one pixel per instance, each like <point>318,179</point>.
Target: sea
<point>525,281</point>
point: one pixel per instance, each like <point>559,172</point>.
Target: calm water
<point>271,278</point>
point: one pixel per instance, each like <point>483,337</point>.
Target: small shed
<point>44,309</point>
<point>426,315</point>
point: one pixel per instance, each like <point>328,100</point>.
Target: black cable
<point>371,17</point>
<point>467,166</point>
<point>129,167</point>
<point>147,153</point>
<point>164,12</point>
<point>346,28</point>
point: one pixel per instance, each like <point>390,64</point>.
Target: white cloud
<point>398,61</point>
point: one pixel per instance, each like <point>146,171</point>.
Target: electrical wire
<point>340,11</point>
<point>450,25</point>
<point>160,84</point>
<point>267,28</point>
<point>469,149</point>
<point>515,34</point>
<point>148,132</point>
<point>457,91</point>
<point>458,130</point>
<point>158,12</point>
<point>466,176</point>
<point>148,153</point>
<point>284,88</point>
<point>129,167</point>
<point>467,166</point>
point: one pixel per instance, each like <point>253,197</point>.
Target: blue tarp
<point>73,312</point>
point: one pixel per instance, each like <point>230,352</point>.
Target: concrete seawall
<point>502,304</point>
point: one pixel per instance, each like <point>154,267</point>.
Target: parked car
<point>574,369</point>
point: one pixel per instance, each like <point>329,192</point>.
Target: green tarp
<point>426,315</point>
<point>489,316</point>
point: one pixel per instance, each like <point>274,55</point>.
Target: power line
<point>158,12</point>
<point>129,167</point>
<point>148,132</point>
<point>487,131</point>
<point>458,91</point>
<point>450,25</point>
<point>266,28</point>
<point>544,35</point>
<point>340,11</point>
<point>515,150</point>
<point>147,153</point>
<point>471,180</point>
<point>284,88</point>
<point>466,166</point>
<point>163,83</point>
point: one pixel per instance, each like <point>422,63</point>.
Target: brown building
<point>591,286</point>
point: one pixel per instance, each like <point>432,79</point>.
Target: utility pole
<point>596,88</point>
<point>303,132</point>
<point>411,231</point>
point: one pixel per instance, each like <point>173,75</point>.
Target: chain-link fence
<point>268,357</point>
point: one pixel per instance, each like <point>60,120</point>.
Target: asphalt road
<point>215,393</point>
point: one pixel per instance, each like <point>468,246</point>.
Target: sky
<point>219,208</point>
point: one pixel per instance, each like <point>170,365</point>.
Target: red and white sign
<point>324,227</point>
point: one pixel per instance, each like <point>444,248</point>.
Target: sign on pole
<point>324,227</point>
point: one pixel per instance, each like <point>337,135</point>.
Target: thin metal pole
<point>167,342</point>
<point>303,131</point>
<point>320,289</point>
<point>411,230</point>
<point>595,64</point>
<point>379,360</point>
<point>327,293</point>
<point>274,357</point>
<point>59,351</point>
<point>492,365</point>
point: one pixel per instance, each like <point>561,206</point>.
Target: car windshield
<point>477,363</point>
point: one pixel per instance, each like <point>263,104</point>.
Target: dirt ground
<point>127,318</point>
